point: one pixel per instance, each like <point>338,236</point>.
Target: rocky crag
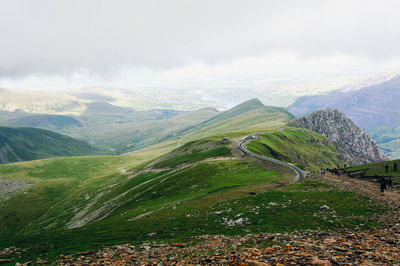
<point>353,144</point>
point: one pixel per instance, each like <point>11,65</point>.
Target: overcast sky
<point>56,43</point>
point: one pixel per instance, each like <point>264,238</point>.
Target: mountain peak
<point>352,143</point>
<point>252,102</point>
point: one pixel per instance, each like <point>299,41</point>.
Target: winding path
<point>241,145</point>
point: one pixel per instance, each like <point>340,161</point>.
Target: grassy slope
<point>33,143</point>
<point>296,207</point>
<point>64,187</point>
<point>379,169</point>
<point>305,148</point>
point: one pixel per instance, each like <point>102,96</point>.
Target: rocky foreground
<point>363,247</point>
<point>377,247</point>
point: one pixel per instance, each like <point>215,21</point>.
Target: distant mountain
<point>245,116</point>
<point>246,107</point>
<point>45,121</point>
<point>24,144</point>
<point>367,107</point>
<point>352,143</point>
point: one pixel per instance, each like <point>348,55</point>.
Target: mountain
<point>353,144</point>
<point>24,144</point>
<point>54,122</point>
<point>251,114</point>
<point>368,107</point>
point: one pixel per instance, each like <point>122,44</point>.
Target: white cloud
<point>50,44</point>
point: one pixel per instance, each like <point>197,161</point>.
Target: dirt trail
<point>365,188</point>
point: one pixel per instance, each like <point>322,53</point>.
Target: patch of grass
<point>305,148</point>
<point>195,151</point>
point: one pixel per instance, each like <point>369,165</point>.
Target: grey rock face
<point>353,144</point>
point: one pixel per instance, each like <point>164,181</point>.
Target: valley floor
<point>362,245</point>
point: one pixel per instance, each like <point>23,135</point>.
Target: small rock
<point>329,241</point>
<point>316,261</point>
<point>256,263</point>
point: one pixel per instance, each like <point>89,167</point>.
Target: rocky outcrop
<point>353,144</point>
<point>10,186</point>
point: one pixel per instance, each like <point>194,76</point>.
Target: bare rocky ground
<point>361,247</point>
<point>10,186</point>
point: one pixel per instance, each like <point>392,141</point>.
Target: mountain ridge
<point>351,142</point>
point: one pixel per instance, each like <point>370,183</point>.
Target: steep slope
<point>249,115</point>
<point>23,144</point>
<point>367,107</point>
<point>246,107</point>
<point>307,149</point>
<point>353,144</point>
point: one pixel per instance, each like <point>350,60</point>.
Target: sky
<point>207,44</point>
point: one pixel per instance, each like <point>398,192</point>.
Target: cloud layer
<point>107,38</point>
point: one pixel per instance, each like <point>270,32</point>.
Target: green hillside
<point>54,122</point>
<point>78,204</point>
<point>24,144</point>
<point>307,149</point>
<point>251,114</point>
